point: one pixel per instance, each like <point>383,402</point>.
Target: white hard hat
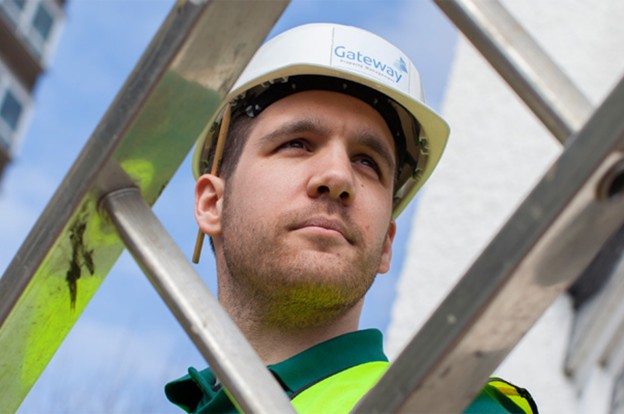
<point>352,61</point>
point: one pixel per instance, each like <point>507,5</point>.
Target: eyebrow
<point>299,126</point>
<point>364,137</point>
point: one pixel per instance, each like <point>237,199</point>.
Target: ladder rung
<point>216,336</point>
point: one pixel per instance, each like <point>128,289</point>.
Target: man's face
<point>307,212</point>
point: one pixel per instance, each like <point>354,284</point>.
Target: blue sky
<point>126,344</point>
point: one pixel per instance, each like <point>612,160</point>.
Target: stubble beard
<point>285,288</point>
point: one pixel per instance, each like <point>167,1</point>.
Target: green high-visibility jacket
<point>332,377</point>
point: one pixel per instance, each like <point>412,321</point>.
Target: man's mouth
<point>325,224</point>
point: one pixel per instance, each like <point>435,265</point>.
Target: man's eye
<point>369,162</point>
<point>295,143</point>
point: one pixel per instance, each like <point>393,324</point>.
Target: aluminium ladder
<point>103,204</point>
<point>163,107</point>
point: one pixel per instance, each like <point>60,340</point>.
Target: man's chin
<point>326,270</point>
<point>325,262</point>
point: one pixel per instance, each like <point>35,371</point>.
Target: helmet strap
<point>223,132</point>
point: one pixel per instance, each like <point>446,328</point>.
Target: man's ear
<point>386,252</point>
<point>209,204</point>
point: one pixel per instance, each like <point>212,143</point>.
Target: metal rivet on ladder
<point>611,187</point>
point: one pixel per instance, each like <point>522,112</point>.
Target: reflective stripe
<point>520,396</point>
<point>340,392</point>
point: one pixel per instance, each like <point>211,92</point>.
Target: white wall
<point>497,151</point>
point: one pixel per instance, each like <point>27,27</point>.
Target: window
<point>41,27</point>
<point>13,9</point>
<point>10,110</point>
<point>33,22</point>
<point>43,21</point>
<point>19,4</point>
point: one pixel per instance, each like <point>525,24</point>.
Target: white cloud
<point>109,368</point>
<point>24,194</point>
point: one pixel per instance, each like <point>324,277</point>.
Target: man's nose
<point>333,177</point>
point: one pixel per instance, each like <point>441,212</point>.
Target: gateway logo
<point>392,72</point>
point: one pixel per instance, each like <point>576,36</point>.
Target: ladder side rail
<point>83,173</point>
<point>547,91</point>
<point>522,63</point>
<point>215,335</point>
<point>44,288</point>
<point>146,133</point>
<point>539,252</point>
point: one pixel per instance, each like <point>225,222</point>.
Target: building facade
<point>28,33</point>
<point>572,360</point>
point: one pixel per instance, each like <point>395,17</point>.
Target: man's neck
<point>276,340</point>
<point>274,344</point>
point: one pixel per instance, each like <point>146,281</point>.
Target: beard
<point>288,286</point>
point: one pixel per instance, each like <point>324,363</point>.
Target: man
<point>329,140</point>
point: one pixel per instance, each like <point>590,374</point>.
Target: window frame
<point>11,137</point>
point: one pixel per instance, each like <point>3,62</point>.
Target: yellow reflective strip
<point>511,391</point>
<point>505,388</point>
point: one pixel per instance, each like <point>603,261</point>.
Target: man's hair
<point>237,135</point>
